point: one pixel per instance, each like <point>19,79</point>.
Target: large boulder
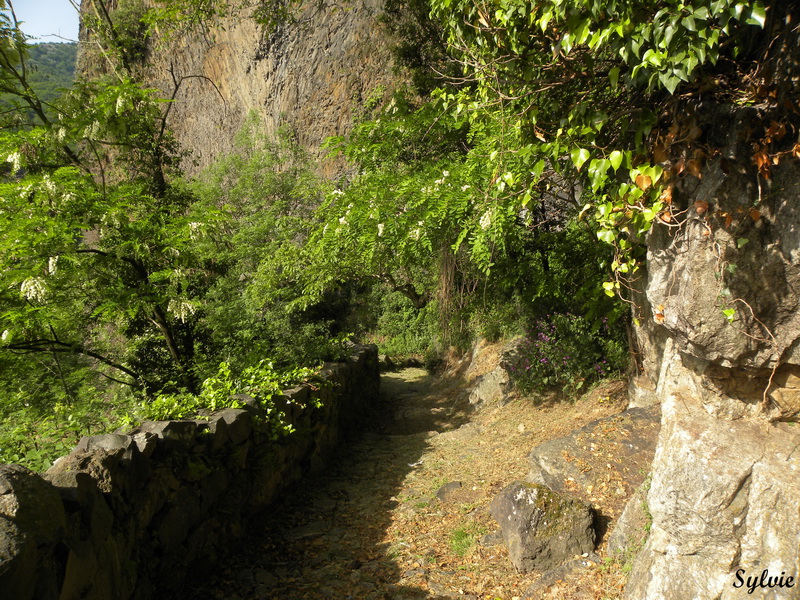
<point>721,499</point>
<point>542,528</point>
<point>725,486</point>
<point>491,387</point>
<point>602,462</point>
<point>495,384</point>
<point>738,249</point>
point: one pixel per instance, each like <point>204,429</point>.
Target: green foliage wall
<point>525,183</point>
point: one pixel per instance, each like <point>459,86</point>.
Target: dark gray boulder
<point>542,528</point>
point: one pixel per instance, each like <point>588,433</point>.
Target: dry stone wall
<point>130,516</point>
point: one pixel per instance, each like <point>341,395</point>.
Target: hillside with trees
<point>52,68</point>
<point>608,180</point>
<point>51,71</point>
<point>481,202</point>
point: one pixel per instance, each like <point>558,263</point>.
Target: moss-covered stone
<point>541,527</point>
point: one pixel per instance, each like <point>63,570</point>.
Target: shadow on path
<point>325,537</point>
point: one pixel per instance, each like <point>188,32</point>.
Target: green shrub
<point>401,328</point>
<point>497,321</point>
<point>566,351</point>
<point>262,382</point>
<point>35,434</point>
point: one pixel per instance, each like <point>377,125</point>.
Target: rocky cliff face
<point>725,489</point>
<point>311,76</point>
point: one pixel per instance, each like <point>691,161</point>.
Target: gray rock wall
<point>130,516</point>
<point>312,76</point>
<point>725,490</point>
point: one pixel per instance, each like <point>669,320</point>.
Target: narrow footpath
<point>402,512</point>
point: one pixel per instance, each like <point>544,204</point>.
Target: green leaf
<point>566,43</point>
<point>579,156</point>
<point>538,168</point>
<point>758,15</point>
<point>545,20</point>
<point>598,169</point>
<point>730,314</point>
<point>526,198</point>
<point>582,32</point>
<point>669,81</point>
<point>616,159</point>
<point>613,76</point>
<point>460,240</point>
<point>606,235</point>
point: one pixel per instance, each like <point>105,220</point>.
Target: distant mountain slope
<point>52,69</point>
<point>54,66</point>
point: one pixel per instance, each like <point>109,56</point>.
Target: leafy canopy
<point>573,89</point>
<point>111,265</point>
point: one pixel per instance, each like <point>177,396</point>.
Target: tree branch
<point>54,345</point>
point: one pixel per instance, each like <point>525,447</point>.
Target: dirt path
<point>372,527</point>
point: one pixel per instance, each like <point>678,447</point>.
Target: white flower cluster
<point>92,130</point>
<point>15,158</point>
<point>50,185</point>
<point>181,308</point>
<point>486,220</point>
<point>33,288</point>
<point>195,231</point>
<point>380,229</point>
<point>52,264</point>
<point>6,335</point>
<point>444,176</point>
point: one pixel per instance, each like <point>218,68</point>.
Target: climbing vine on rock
<point>574,90</point>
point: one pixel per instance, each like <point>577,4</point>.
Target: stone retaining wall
<point>129,516</point>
